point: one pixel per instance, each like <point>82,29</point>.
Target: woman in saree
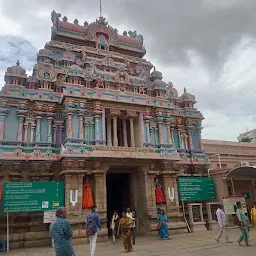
<point>125,228</point>
<point>244,227</point>
<point>163,227</point>
<point>253,215</point>
<point>87,195</point>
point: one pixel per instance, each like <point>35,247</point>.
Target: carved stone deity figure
<point>87,194</point>
<point>100,83</point>
<point>159,193</point>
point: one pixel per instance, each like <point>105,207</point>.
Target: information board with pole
<point>31,197</point>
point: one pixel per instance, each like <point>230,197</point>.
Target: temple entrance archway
<point>126,189</point>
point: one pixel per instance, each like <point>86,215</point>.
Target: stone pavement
<point>202,243</point>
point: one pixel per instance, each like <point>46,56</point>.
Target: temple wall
<point>44,126</point>
<point>11,125</point>
<point>195,139</point>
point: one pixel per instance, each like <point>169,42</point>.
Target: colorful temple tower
<point>96,112</point>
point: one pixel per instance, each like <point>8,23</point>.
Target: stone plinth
<point>196,218</point>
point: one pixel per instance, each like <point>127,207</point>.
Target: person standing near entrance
<point>221,218</point>
<point>61,233</point>
<point>125,228</point>
<point>131,216</point>
<point>92,226</point>
<point>253,215</point>
<point>164,230</point>
<point>115,225</point>
<point>244,234</point>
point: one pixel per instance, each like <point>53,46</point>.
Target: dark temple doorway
<point>118,194</point>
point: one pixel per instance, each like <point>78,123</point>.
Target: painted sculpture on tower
<point>159,193</point>
<point>87,194</point>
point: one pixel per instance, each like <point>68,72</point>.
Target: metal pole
<point>219,160</point>
<point>183,207</point>
<point>233,188</point>
<point>7,232</point>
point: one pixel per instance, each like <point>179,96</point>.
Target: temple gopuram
<point>97,115</point>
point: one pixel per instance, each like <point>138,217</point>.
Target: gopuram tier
<point>98,116</point>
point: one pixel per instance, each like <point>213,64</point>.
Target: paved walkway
<point>181,245</point>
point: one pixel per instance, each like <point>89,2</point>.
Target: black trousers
<point>133,235</point>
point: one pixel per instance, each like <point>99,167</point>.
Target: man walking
<point>132,217</point>
<point>221,218</point>
<point>92,226</point>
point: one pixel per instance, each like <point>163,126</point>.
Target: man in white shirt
<point>131,216</point>
<point>222,221</point>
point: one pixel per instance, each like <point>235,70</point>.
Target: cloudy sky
<point>207,46</point>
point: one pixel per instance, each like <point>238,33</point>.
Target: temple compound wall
<point>98,116</point>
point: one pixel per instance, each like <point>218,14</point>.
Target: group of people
<point>126,226</point>
<point>240,219</point>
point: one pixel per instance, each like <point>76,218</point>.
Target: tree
<point>245,139</point>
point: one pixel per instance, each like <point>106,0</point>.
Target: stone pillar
<point>20,127</point>
<point>172,138</point>
<point>55,133</point>
<point>97,127</point>
<point>26,132</point>
<point>160,131</point>
<point>73,192</point>
<point>125,133</point>
<point>169,137</point>
<point>100,190</point>
<point>49,130</point>
<point>91,131</point>
<point>2,124</point>
<point>190,142</point>
<point>81,125</point>
<point>38,128</point>
<point>109,128</point>
<point>132,132</point>
<point>115,131</point>
<point>33,126</point>
<point>200,138</point>
<point>86,131</point>
<point>69,125</point>
<point>147,131</point>
<point>61,132</point>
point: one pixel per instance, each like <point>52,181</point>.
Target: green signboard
<point>32,196</point>
<point>196,189</point>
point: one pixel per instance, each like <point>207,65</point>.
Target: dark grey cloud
<point>205,45</point>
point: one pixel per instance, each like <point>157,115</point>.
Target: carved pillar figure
<point>109,129</point>
<point>81,125</point>
<point>92,131</point>
<point>38,128</point>
<point>20,127</point>
<point>49,129</point>
<point>33,126</point>
<point>179,136</point>
<point>125,133</point>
